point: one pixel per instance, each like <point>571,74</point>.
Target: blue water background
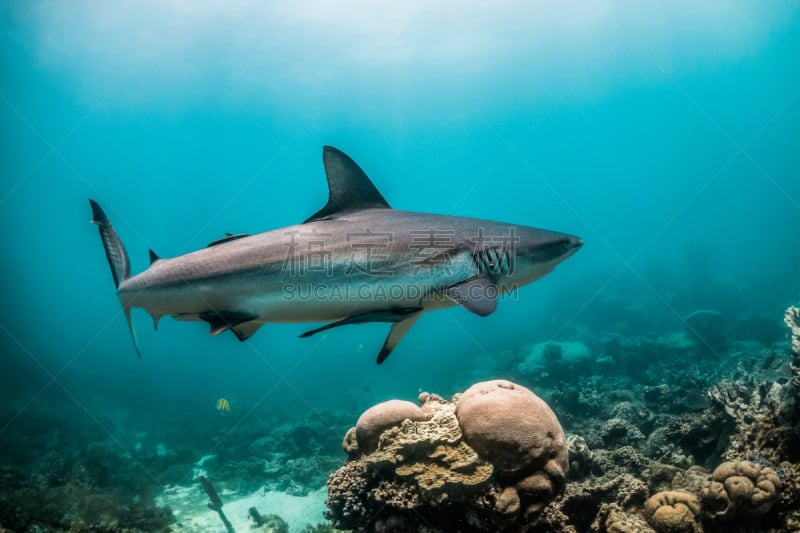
<point>666,135</point>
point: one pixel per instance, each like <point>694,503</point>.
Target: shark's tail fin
<point>117,257</point>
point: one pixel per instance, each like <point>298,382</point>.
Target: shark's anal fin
<point>384,315</point>
<point>477,295</point>
<point>349,188</point>
<point>224,320</point>
<point>396,334</point>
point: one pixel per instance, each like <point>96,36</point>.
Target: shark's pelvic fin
<point>396,334</point>
<point>245,330</point>
<point>384,315</point>
<point>224,320</point>
<point>117,259</point>
<point>478,295</point>
<point>349,188</point>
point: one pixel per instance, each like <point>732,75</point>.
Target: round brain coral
<point>515,430</point>
<point>741,488</point>
<point>673,512</point>
<point>378,418</point>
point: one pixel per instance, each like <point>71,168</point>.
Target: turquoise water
<point>666,136</point>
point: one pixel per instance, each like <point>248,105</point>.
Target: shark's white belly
<point>276,298</point>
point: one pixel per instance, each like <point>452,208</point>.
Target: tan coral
<point>792,319</point>
<point>673,512</point>
<point>612,518</point>
<point>741,488</point>
<point>508,502</point>
<point>350,443</point>
<point>434,476</point>
<point>512,428</point>
<point>378,418</point>
<point>432,453</point>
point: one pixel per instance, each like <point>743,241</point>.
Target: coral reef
<point>741,489</point>
<point>613,519</point>
<point>660,439</point>
<point>792,319</point>
<point>556,360</point>
<point>491,459</point>
<point>74,477</point>
<point>763,432</point>
<point>378,418</point>
<point>580,457</point>
<point>673,512</point>
<point>648,429</point>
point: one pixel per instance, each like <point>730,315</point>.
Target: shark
<point>357,260</point>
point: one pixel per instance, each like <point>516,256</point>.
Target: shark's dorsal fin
<point>349,188</point>
<point>153,257</point>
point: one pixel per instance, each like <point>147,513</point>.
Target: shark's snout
<point>568,246</point>
<point>550,246</point>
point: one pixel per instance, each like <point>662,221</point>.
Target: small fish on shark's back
<point>354,261</point>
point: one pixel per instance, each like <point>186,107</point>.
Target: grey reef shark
<point>354,261</point>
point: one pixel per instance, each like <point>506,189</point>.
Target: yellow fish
<point>223,406</point>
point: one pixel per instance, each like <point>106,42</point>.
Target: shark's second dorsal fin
<point>349,188</point>
<point>154,257</point>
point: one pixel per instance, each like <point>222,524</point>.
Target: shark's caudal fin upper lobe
<point>117,258</point>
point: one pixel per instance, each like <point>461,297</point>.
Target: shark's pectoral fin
<point>384,315</point>
<point>399,329</point>
<point>224,320</point>
<point>245,330</point>
<point>478,295</point>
